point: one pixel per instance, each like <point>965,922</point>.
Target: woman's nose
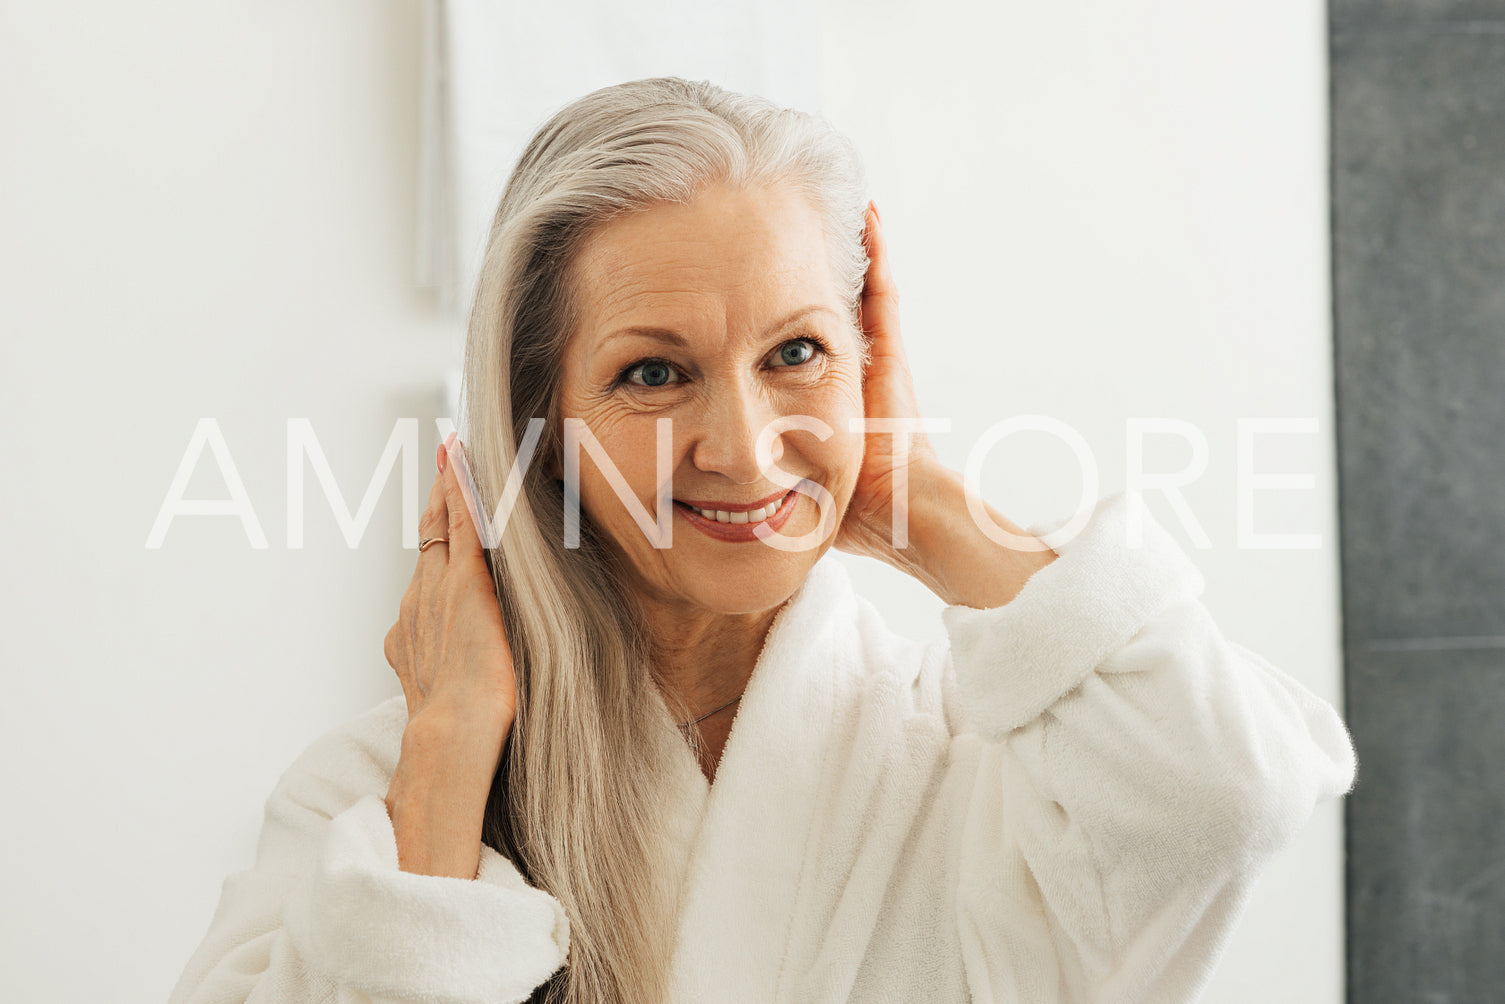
<point>727,436</point>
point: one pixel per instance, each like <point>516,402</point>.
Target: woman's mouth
<point>738,522</point>
<point>728,512</point>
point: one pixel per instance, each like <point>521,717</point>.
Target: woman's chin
<point>747,587</point>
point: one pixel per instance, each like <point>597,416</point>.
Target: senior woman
<point>683,760</point>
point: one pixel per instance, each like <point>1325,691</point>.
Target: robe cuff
<point>395,934</point>
<point>1013,662</point>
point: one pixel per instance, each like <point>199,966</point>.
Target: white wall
<point>1097,211</point>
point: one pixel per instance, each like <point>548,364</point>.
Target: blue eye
<point>795,352</point>
<point>651,373</point>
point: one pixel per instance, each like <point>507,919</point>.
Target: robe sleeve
<point>325,914</point>
<point>1137,767</point>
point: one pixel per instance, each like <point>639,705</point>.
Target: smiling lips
<point>731,521</point>
<point>735,512</point>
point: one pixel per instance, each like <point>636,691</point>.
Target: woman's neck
<point>704,658</point>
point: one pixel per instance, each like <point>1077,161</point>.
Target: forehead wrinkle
<point>789,305</point>
<point>644,277</point>
<point>684,311</point>
<point>620,279</point>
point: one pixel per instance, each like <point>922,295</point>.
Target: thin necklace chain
<point>734,700</point>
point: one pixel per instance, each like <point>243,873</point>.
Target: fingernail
<point>875,210</point>
<point>441,457</point>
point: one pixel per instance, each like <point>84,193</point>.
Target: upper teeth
<point>755,516</point>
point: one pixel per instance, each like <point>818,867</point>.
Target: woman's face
<point>722,316</point>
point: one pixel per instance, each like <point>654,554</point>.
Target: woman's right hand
<point>449,650</point>
<point>449,647</point>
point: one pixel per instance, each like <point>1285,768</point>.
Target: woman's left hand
<point>888,392</point>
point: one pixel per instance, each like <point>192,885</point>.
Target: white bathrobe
<point>1068,799</point>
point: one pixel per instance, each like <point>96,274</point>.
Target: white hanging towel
<point>495,70</point>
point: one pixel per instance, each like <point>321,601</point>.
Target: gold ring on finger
<point>426,541</point>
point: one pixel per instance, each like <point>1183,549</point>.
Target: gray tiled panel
<point>1426,827</point>
<point>1419,263</point>
<point>1375,14</point>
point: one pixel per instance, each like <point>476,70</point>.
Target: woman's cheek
<point>834,401</point>
<point>851,462</point>
<point>635,451</point>
<point>630,442</point>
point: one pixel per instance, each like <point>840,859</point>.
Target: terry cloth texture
<point>1067,799</point>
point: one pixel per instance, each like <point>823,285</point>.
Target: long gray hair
<point>578,798</point>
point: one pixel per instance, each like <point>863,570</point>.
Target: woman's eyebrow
<point>658,334</point>
<point>800,314</point>
<point>673,337</point>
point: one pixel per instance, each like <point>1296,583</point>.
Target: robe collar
<point>744,837</point>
